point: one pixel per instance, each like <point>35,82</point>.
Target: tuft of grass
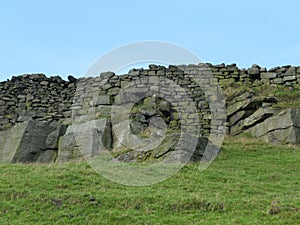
<point>288,98</point>
<point>120,151</point>
<point>250,182</point>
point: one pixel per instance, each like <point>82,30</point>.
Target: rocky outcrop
<point>31,142</point>
<point>247,110</point>
<point>283,128</point>
<point>85,139</point>
<point>174,148</point>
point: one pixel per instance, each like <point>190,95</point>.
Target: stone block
<point>283,128</point>
<point>31,142</point>
<point>85,139</point>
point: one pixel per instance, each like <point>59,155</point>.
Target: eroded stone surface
<point>85,139</point>
<point>283,128</point>
<point>30,142</point>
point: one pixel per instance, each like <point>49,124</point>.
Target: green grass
<point>287,97</point>
<point>249,183</point>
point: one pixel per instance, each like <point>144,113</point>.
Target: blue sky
<point>66,37</point>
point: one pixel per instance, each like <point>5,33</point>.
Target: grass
<point>250,182</point>
<point>287,97</point>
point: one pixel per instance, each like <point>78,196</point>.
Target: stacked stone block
<point>37,97</point>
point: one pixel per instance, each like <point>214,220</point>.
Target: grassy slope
<point>249,183</point>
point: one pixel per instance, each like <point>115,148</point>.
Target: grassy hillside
<point>249,183</point>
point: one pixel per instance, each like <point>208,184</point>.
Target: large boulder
<point>174,148</point>
<point>284,128</point>
<point>10,140</point>
<point>247,110</point>
<point>251,120</point>
<point>85,139</point>
<point>187,149</point>
<point>30,142</point>
<point>148,152</point>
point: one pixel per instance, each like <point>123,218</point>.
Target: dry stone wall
<point>174,94</point>
<point>37,97</point>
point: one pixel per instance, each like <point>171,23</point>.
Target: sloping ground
<point>249,183</point>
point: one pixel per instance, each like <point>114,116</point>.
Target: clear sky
<point>66,37</point>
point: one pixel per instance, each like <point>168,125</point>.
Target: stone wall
<point>37,97</point>
<point>230,74</point>
<point>104,95</point>
<point>186,97</point>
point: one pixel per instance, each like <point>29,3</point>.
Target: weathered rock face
<point>187,149</point>
<point>147,123</point>
<point>85,139</point>
<point>283,128</point>
<point>9,142</point>
<point>174,148</point>
<point>30,142</point>
<point>247,110</point>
